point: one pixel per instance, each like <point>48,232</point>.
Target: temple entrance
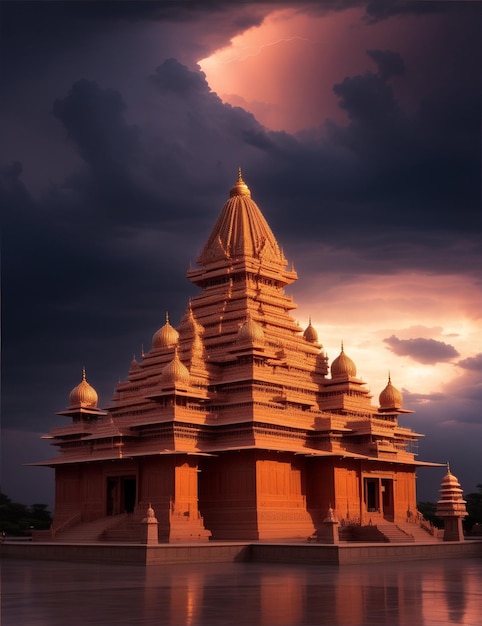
<point>120,494</point>
<point>372,495</point>
<point>387,498</point>
<point>378,496</point>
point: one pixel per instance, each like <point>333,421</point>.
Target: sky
<point>358,129</point>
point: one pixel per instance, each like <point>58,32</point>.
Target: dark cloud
<point>173,76</point>
<point>389,63</point>
<point>377,10</point>
<point>451,423</point>
<point>427,351</point>
<point>472,363</point>
<point>94,119</point>
<point>367,99</point>
<point>412,400</point>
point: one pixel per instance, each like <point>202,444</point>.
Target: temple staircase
<point>395,534</point>
<point>127,529</point>
<point>419,533</point>
<point>89,532</point>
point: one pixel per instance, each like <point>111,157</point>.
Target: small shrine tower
<point>451,507</point>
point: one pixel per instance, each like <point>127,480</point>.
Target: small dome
<point>240,187</point>
<point>390,397</point>
<point>175,372</point>
<point>83,395</point>
<point>250,331</point>
<point>166,336</point>
<point>310,334</point>
<point>343,366</point>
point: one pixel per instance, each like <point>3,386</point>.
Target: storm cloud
<point>427,351</point>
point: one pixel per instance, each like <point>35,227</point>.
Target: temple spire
<point>241,231</point>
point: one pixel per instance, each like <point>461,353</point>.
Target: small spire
<point>167,317</point>
<point>448,467</point>
<point>142,351</point>
<point>389,377</point>
<point>83,372</point>
<point>342,346</point>
<point>240,175</point>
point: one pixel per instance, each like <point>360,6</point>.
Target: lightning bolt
<point>234,53</point>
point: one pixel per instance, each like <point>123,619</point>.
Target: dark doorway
<point>371,494</point>
<point>387,498</point>
<point>129,494</point>
<point>120,495</point>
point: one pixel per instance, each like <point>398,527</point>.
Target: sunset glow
<point>370,309</point>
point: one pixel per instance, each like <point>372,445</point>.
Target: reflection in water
<point>422,593</point>
<point>454,596</point>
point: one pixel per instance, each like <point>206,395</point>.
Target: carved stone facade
<point>230,426</point>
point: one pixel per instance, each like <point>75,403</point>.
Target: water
<point>433,593</point>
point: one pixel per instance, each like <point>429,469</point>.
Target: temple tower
<point>451,507</point>
<point>230,426</point>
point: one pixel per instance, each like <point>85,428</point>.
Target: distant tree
<point>474,509</point>
<point>18,519</point>
<point>427,509</point>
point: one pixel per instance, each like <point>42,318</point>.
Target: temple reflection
<point>421,593</point>
<point>403,594</point>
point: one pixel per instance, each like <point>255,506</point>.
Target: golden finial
<point>342,349</point>
<point>389,377</point>
<point>167,317</point>
<point>448,467</point>
<point>142,351</point>
<point>83,372</point>
<point>240,187</point>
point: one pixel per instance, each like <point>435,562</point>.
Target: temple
<point>233,426</point>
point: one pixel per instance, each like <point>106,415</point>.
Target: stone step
<point>420,534</point>
<point>394,534</point>
<point>88,532</point>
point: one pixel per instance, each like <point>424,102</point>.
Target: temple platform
<point>256,552</point>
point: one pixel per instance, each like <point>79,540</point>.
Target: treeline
<point>19,519</point>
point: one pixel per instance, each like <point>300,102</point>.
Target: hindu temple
<point>234,425</point>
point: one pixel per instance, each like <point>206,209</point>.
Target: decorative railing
<point>419,520</point>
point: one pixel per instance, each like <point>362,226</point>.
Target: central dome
<point>241,231</point>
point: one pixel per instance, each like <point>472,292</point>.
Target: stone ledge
<point>226,552</point>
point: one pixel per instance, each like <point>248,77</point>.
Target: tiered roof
<point>239,372</point>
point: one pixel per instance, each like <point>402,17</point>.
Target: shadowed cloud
<point>427,351</point>
<point>473,363</point>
